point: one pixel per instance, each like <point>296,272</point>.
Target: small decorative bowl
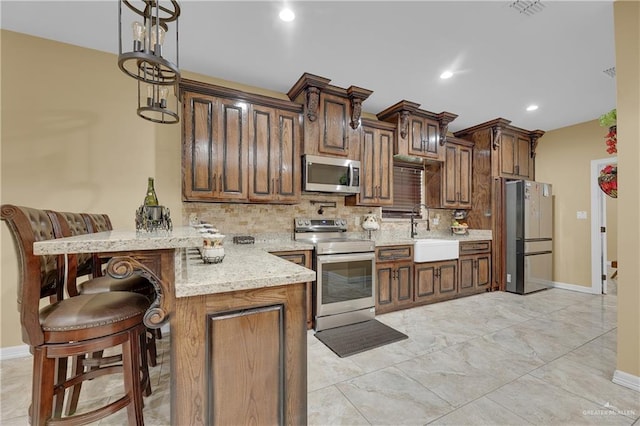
<point>459,230</point>
<point>213,259</point>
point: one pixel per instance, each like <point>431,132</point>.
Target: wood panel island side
<point>238,328</point>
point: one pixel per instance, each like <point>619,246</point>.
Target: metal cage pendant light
<point>151,61</point>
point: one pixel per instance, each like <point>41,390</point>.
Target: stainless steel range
<point>344,292</point>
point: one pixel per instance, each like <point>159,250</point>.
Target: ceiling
<point>502,60</point>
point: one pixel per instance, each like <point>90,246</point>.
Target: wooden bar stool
<point>56,328</point>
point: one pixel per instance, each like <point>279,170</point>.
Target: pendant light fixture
<point>153,58</point>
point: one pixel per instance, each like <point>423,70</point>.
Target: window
<point>407,190</point>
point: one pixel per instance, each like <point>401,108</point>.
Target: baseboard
<point>572,287</point>
<point>22,351</point>
<point>627,380</point>
<point>12,352</point>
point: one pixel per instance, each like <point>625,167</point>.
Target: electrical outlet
<point>508,278</point>
<point>581,215</point>
<point>435,220</point>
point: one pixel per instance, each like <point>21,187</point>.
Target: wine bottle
<point>150,199</point>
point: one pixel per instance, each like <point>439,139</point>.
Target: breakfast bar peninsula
<point>238,328</point>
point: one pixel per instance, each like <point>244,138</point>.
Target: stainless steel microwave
<point>329,174</point>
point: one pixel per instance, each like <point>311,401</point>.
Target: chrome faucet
<point>413,222</point>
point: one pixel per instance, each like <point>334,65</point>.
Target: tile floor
<point>493,359</point>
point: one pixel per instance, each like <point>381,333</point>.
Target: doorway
<point>599,259</point>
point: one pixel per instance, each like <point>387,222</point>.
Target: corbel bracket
<point>444,118</point>
<point>357,95</point>
<point>313,101</point>
<point>404,124</point>
<point>534,137</point>
<point>496,134</point>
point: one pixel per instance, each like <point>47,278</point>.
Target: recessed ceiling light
<point>446,74</point>
<point>287,15</point>
<point>532,107</point>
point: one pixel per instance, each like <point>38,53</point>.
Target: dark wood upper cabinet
<point>239,147</point>
<point>214,148</point>
<point>376,165</point>
<point>274,157</point>
<point>331,115</point>
<point>419,132</point>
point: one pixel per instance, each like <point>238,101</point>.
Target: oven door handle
<point>349,257</point>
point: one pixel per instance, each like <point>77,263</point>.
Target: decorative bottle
<point>150,199</point>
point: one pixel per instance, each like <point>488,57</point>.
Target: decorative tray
<point>459,230</point>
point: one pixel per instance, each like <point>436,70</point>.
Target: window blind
<point>407,190</point>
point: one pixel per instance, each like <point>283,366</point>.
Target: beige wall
<point>627,36</point>
<point>73,142</point>
<point>563,158</point>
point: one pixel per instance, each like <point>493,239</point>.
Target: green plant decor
<point>609,119</point>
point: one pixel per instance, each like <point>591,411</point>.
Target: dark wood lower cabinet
<point>394,286</point>
<point>436,280</point>
<point>394,278</point>
<point>475,267</point>
<point>243,356</point>
<point>302,258</point>
<point>246,360</point>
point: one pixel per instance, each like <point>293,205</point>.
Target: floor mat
<point>355,338</point>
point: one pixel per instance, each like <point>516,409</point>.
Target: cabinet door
<point>302,258</point>
<point>198,148</point>
<point>483,271</point>
<point>368,160</point>
<point>425,281</point>
<point>447,278</point>
<point>515,156</point>
<point>404,281</point>
<point>384,298</point>
<point>424,137</point>
<point>231,156</point>
<point>451,176</point>
<point>467,273</point>
<point>385,167</point>
<point>215,149</point>
<point>274,173</point>
<point>523,157</point>
<point>262,150</point>
<point>376,168</point>
<point>508,157</point>
<point>456,181</point>
<point>334,113</point>
<point>288,175</point>
<point>465,162</point>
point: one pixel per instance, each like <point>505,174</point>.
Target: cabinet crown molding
<point>194,86</point>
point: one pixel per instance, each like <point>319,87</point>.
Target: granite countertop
<point>244,267</point>
<point>395,240</point>
<point>118,240</point>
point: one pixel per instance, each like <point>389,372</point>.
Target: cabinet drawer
<point>302,258</point>
<point>391,254</point>
<point>474,247</point>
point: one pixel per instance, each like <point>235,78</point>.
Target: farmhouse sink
<point>431,250</point>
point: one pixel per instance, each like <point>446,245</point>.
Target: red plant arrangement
<point>612,140</point>
<point>608,179</point>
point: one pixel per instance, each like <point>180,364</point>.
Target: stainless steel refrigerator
<point>529,236</point>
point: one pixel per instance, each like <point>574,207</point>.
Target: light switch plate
<point>581,215</point>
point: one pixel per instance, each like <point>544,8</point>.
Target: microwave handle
<point>354,175</point>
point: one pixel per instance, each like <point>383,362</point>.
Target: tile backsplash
<point>257,219</point>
